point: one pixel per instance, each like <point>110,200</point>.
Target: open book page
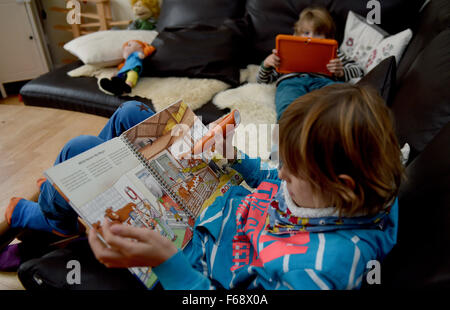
<point>137,199</point>
<point>162,138</point>
<point>83,177</point>
<point>110,182</point>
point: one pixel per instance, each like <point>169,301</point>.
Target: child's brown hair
<point>343,129</point>
<point>319,18</point>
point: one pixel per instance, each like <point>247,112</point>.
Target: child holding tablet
<point>315,23</point>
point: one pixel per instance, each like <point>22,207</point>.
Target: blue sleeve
<point>178,274</point>
<point>344,268</point>
<point>305,279</point>
<point>251,170</point>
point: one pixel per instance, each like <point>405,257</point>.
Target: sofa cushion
<point>368,44</point>
<point>197,51</point>
<point>393,45</point>
<point>434,19</point>
<point>175,13</point>
<point>105,47</point>
<point>422,102</point>
<point>382,78</point>
<point>269,18</point>
<point>360,38</point>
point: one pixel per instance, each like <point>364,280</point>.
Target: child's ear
<point>348,180</point>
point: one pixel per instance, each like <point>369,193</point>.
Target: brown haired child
<point>313,224</point>
<point>315,22</point>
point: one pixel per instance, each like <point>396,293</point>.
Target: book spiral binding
<point>157,177</point>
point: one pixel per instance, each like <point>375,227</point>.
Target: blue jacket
<point>234,247</point>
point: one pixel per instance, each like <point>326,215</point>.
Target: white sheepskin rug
<point>255,102</point>
<point>162,91</point>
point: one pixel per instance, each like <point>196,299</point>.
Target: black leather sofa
<point>420,101</point>
<point>58,90</point>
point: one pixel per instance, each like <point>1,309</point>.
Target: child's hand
<point>130,246</point>
<point>335,67</point>
<point>272,61</point>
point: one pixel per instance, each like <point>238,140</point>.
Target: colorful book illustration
<point>139,179</point>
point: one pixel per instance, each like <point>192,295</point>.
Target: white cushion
<point>368,44</point>
<point>391,46</point>
<point>104,48</point>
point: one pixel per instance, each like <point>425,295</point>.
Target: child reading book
<point>315,22</point>
<point>313,224</point>
<point>131,173</point>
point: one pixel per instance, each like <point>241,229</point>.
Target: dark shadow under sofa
<point>241,32</point>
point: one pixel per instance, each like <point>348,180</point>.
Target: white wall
<point>121,10</point>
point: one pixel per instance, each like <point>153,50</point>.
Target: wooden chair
<point>91,22</point>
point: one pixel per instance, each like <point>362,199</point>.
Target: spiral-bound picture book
<point>140,179</point>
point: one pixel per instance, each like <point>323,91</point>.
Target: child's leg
<point>51,213</point>
<point>126,116</point>
<point>287,91</point>
<point>319,82</point>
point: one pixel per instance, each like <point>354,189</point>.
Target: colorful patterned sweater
<point>251,240</point>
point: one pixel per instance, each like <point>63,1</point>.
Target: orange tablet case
<point>302,54</point>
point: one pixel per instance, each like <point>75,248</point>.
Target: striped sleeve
<point>304,279</point>
<point>266,75</point>
<point>351,68</point>
<point>252,171</point>
<point>188,279</point>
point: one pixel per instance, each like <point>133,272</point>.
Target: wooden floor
<point>30,140</point>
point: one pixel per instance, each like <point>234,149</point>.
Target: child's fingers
<point>334,67</point>
<point>335,61</point>
<point>122,244</point>
<point>334,64</point>
<point>103,254</point>
<point>126,231</point>
<point>111,258</point>
<point>95,243</point>
<point>336,70</point>
<point>276,61</point>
